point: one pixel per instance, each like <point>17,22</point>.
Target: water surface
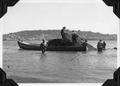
<point>63,67</point>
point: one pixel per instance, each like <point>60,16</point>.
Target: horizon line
<point>59,30</point>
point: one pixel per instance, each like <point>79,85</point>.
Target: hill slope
<point>51,34</point>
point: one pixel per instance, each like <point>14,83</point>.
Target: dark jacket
<point>104,45</point>
<point>74,38</point>
<point>99,45</point>
<point>63,33</point>
<point>84,45</point>
<point>42,45</point>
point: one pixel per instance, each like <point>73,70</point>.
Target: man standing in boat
<point>63,33</point>
<point>84,44</point>
<point>74,37</point>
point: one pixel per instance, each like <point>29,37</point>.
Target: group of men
<point>101,45</point>
<point>74,35</point>
<point>74,38</point>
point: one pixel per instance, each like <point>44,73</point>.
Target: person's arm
<point>62,31</point>
<point>97,44</point>
<point>86,44</point>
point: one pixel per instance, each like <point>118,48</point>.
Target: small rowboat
<point>31,46</point>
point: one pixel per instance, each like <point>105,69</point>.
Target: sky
<point>95,17</point>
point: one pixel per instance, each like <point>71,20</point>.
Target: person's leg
<point>73,41</point>
<point>99,49</point>
<point>43,50</point>
<point>85,49</point>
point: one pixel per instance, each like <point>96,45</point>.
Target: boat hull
<point>28,46</point>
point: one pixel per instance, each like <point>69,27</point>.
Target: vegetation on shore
<point>52,34</point>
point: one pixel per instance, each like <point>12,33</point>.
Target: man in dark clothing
<point>104,45</point>
<point>100,46</point>
<point>43,46</point>
<point>74,37</point>
<point>84,45</point>
<point>63,33</point>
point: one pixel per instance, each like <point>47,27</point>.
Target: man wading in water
<point>100,46</point>
<point>104,45</point>
<point>43,46</point>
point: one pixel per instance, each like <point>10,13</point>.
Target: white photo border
<point>60,1</point>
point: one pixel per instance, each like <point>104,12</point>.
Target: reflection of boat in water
<point>50,47</point>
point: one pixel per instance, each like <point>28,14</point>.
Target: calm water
<point>32,66</point>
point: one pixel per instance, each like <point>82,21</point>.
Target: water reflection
<point>43,56</point>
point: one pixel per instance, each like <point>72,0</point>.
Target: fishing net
<point>59,42</point>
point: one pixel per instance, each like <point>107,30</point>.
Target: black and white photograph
<point>60,42</point>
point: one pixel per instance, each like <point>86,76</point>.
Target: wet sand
<point>18,79</point>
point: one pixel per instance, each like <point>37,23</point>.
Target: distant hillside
<point>51,34</point>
